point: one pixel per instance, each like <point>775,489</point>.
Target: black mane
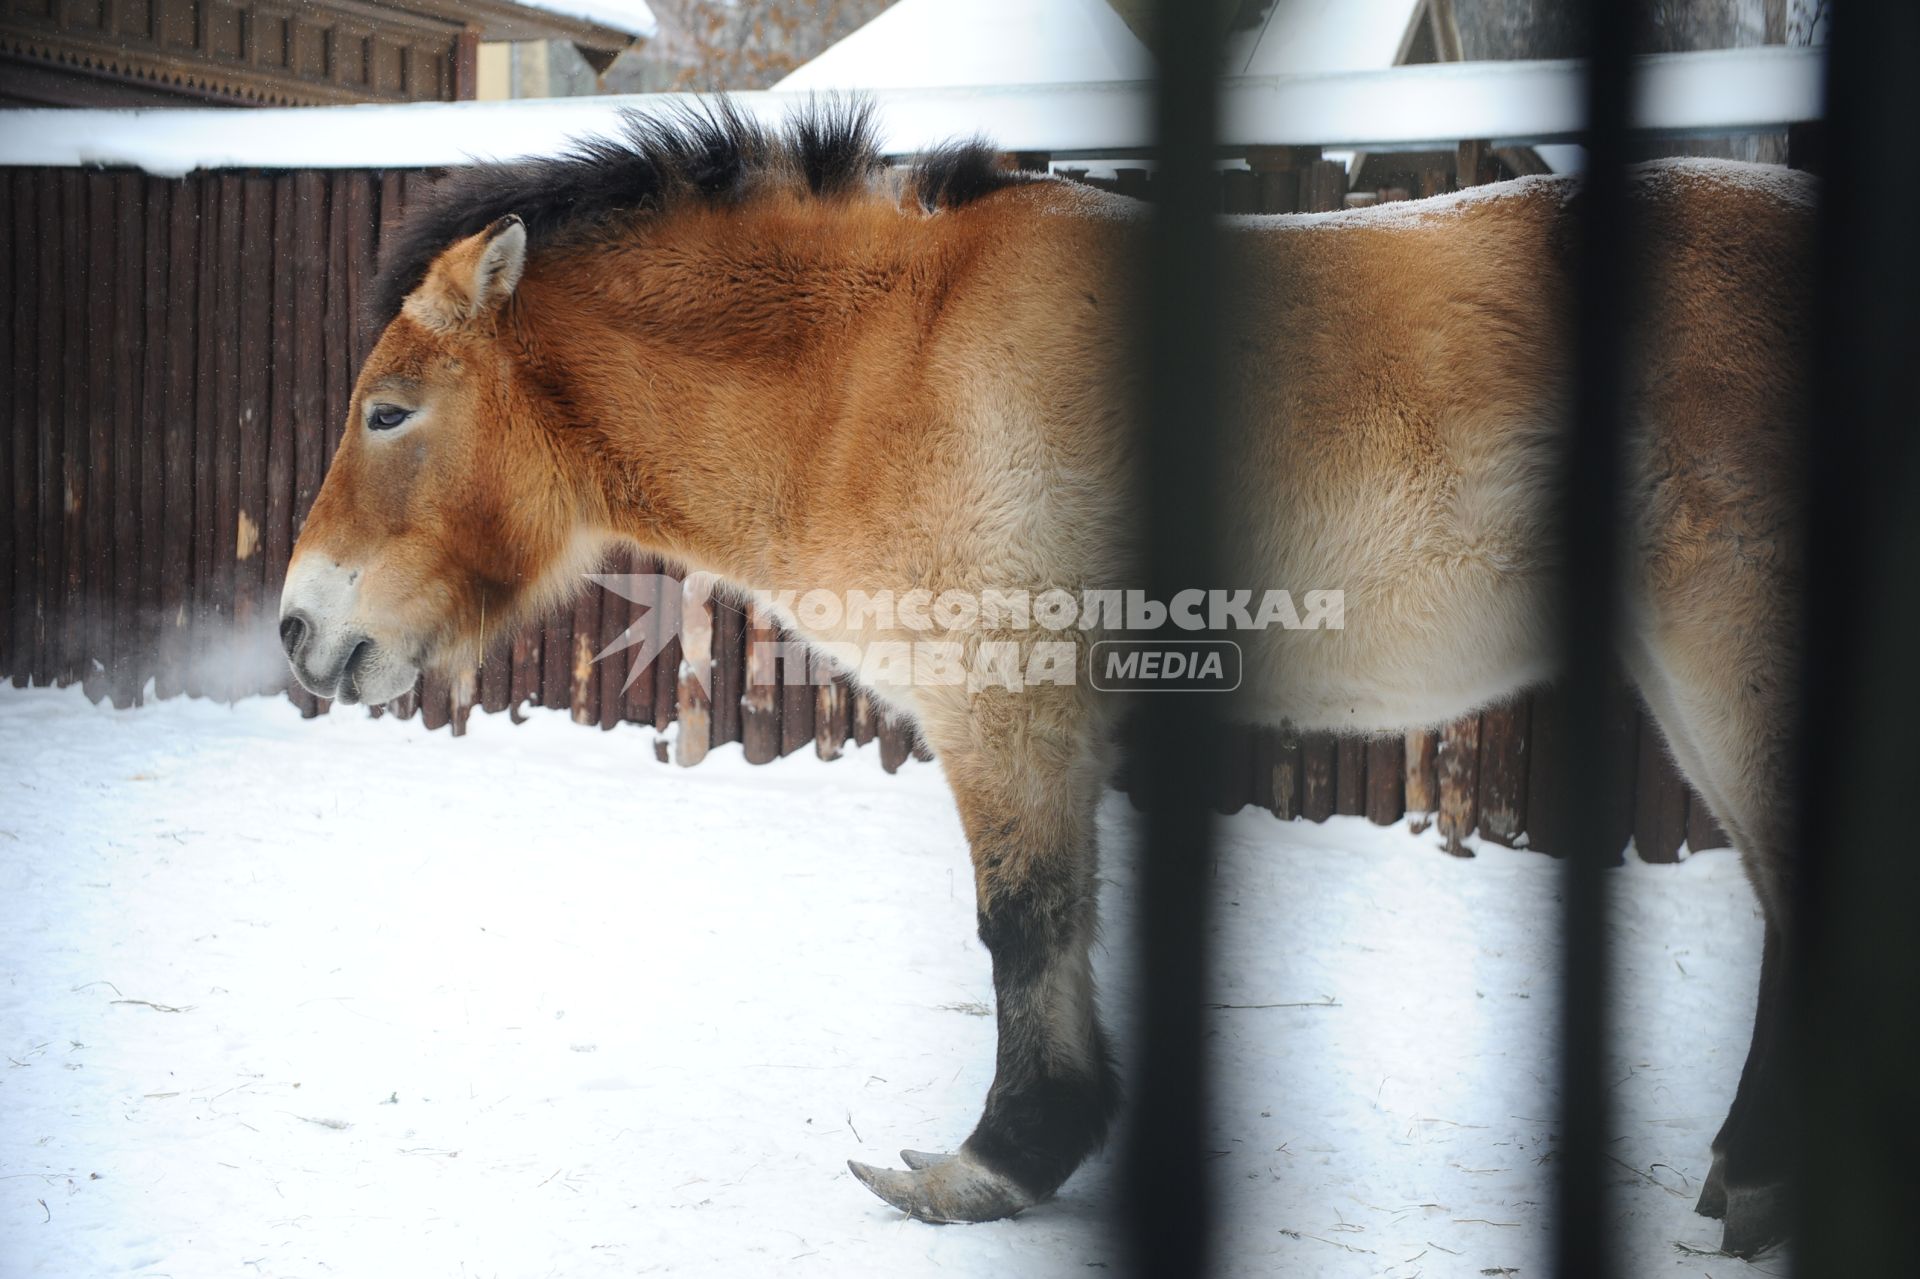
<point>712,153</point>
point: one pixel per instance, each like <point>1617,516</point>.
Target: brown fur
<point>850,392</point>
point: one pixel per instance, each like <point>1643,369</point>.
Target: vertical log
<point>495,676</point>
<point>103,363</point>
<point>1288,773</point>
<point>585,685</point>
<point>1660,799</point>
<point>128,337</point>
<point>636,699</point>
<point>434,694</point>
<point>866,722</point>
<point>176,562</point>
<point>1503,771</point>
<point>49,402</point>
<point>77,410</point>
<point>616,614</point>
<point>556,660</point>
<point>760,702</point>
<point>1350,776</point>
<point>797,695</point>
<point>696,666</point>
<point>729,667</point>
<point>1459,764</point>
<point>1473,163</point>
<point>153,425</point>
<point>666,688</point>
<point>1323,186</point>
<point>254,613</point>
<point>21,584</point>
<point>832,702</point>
<point>8,391</point>
<point>202,664</point>
<point>1277,170</point>
<point>1386,780</point>
<point>1422,778</point>
<point>523,684</point>
<point>1316,776</point>
<point>234,649</point>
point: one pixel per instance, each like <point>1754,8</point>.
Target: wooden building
<point>140,53</point>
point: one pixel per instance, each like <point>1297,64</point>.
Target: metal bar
<point>1166,1195</point>
<point>1432,106</point>
<point>1855,961</point>
<point>1589,493</point>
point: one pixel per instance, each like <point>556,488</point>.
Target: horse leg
<point>1054,1088</point>
<point>1717,672</point>
<point>1745,1186</point>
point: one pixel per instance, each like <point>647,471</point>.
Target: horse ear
<point>472,279</point>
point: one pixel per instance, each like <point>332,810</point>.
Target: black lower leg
<point>1055,1089</point>
<point>1750,1153</point>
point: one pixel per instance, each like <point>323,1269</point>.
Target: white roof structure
<point>630,16</point>
<point>940,44</point>
<point>1303,37</point>
<point>927,43</point>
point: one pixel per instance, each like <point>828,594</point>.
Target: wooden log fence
<point>180,356</point>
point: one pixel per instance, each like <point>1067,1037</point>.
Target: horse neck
<point>723,365</point>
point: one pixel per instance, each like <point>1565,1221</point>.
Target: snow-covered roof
<point>939,43</point>
<point>1511,103</point>
<point>630,16</point>
<point>1304,36</point>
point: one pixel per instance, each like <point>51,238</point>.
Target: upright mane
<point>710,153</point>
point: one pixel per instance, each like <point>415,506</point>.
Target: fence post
<point>760,700</point>
<point>696,667</point>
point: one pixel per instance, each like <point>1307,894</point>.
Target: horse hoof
<point>918,1159</point>
<point>1713,1194</point>
<point>954,1189</point>
<point>1755,1219</point>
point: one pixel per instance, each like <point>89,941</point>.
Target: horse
<point>759,351</point>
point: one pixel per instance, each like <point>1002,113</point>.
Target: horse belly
<point>1446,605</point>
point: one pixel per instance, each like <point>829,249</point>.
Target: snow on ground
<point>344,997</point>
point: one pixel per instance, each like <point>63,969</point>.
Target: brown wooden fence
<point>180,354</point>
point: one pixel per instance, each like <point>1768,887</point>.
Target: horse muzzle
<point>330,655</point>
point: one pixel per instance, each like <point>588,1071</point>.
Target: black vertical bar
<point>1589,493</point>
<point>1856,961</point>
<point>1166,1193</point>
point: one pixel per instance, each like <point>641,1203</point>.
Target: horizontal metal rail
<point>1728,91</point>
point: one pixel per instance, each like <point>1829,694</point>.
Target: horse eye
<point>384,417</point>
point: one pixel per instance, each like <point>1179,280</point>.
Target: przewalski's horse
<point>764,355</point>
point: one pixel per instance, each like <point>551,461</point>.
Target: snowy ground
<point>348,998</point>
